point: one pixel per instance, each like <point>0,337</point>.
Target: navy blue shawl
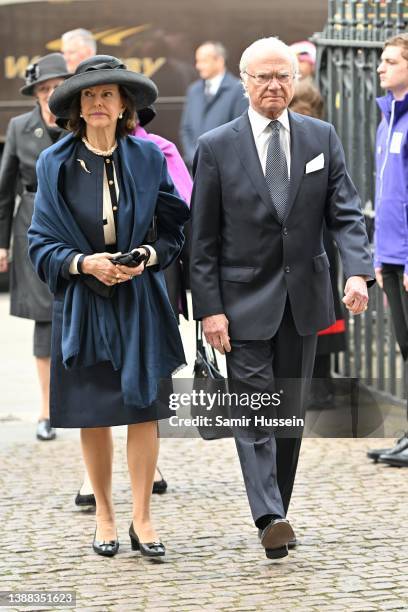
<point>136,330</point>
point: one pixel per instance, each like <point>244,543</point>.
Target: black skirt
<point>92,396</point>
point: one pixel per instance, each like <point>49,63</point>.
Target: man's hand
<point>215,329</point>
<point>379,277</point>
<point>3,260</point>
<point>356,294</point>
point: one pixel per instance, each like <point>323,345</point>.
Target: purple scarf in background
<point>176,167</point>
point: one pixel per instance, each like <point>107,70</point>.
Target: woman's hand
<point>131,272</point>
<point>100,266</point>
<point>3,260</point>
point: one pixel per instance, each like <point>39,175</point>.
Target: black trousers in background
<point>393,283</point>
<point>268,460</point>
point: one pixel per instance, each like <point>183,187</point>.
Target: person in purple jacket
<point>391,206</point>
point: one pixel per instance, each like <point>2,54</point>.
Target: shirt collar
<point>259,122</point>
<point>215,82</point>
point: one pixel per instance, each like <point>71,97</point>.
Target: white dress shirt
<point>262,133</point>
<point>213,85</point>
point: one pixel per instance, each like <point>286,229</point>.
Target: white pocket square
<point>315,164</point>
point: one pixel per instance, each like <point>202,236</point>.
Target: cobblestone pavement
<point>349,515</point>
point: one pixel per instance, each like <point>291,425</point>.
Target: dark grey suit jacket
<point>200,115</point>
<point>244,262</point>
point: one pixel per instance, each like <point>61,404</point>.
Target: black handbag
<point>208,378</point>
<point>95,285</point>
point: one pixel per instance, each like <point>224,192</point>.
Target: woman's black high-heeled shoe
<point>148,549</point>
<point>106,549</point>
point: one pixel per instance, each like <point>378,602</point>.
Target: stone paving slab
<point>349,514</point>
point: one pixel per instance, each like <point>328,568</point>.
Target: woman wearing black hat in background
<point>98,192</point>
<point>27,136</point>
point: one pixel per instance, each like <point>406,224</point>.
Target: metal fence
<point>348,52</point>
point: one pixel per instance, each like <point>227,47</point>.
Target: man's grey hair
<point>85,37</point>
<point>264,45</point>
<point>219,49</point>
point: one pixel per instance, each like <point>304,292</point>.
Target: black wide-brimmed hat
<point>51,66</point>
<point>102,70</point>
<point>146,115</point>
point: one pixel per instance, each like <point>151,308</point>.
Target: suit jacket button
<point>285,231</point>
<point>287,269</point>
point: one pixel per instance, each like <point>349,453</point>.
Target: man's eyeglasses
<point>265,79</point>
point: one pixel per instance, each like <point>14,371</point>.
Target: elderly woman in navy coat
<point>114,332</point>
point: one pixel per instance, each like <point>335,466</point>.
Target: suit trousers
<point>269,454</point>
<point>393,283</point>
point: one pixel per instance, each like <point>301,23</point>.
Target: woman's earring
<point>81,115</point>
<point>120,115</point>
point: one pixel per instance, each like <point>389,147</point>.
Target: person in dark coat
<point>216,98</point>
<point>260,278</point>
<point>173,274</point>
<point>78,45</point>
<point>27,136</point>
<point>115,335</point>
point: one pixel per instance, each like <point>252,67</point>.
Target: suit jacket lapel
<point>298,156</point>
<point>248,154</point>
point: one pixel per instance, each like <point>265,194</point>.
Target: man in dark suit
<point>260,278</point>
<point>216,98</point>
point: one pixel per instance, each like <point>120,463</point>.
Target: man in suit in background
<point>76,46</point>
<point>216,98</point>
<point>260,278</point>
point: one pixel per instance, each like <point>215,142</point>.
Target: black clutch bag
<point>95,285</point>
<point>131,259</point>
